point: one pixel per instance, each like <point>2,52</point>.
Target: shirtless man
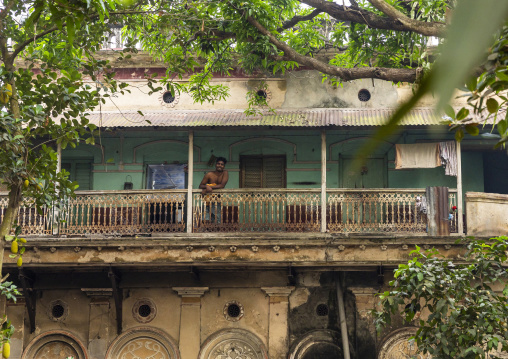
<point>216,179</point>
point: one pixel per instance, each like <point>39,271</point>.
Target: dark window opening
<point>261,93</point>
<point>234,310</point>
<point>167,97</point>
<point>322,310</point>
<point>57,311</point>
<point>364,95</point>
<point>144,310</point>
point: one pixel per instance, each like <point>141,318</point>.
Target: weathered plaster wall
<point>297,89</point>
<point>301,148</point>
<point>305,89</point>
<point>487,214</point>
<point>91,319</point>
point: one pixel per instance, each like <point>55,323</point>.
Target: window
<point>263,171</point>
<point>81,172</point>
<point>166,176</point>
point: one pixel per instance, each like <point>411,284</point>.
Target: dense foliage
<point>466,301</point>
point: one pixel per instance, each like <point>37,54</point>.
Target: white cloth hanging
<point>418,155</point>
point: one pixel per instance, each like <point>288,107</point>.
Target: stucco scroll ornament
<point>56,350</point>
<point>400,347</point>
<point>143,348</point>
<point>233,350</point>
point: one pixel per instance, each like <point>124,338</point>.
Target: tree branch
<point>6,9</point>
<point>24,44</point>
<point>295,20</point>
<point>346,74</point>
<point>362,16</point>
<point>424,28</point>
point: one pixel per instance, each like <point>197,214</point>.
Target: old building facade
<point>282,263</point>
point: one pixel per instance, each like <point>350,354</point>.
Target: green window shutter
<point>80,172</point>
<point>84,176</point>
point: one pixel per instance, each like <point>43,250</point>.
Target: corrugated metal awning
<point>281,118</point>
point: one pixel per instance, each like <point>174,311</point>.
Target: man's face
<point>219,166</point>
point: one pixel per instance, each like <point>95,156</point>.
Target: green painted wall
<point>122,156</point>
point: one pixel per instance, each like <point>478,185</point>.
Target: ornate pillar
<point>15,312</point>
<point>98,323</point>
<point>278,333</point>
<point>190,320</point>
<point>365,301</point>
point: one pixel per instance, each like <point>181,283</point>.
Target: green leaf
<point>449,111</point>
<point>502,126</point>
<point>492,105</point>
<point>472,129</point>
<point>35,14</point>
<point>420,276</point>
<point>70,30</point>
<point>462,114</point>
<point>471,83</point>
<point>487,17</point>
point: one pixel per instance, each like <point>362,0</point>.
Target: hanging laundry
<point>448,154</point>
<point>418,155</point>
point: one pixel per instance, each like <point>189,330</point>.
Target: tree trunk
<point>10,215</point>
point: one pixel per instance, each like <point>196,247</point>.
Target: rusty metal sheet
<point>340,117</point>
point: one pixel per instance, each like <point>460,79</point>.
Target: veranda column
<point>460,209</point>
<point>323,181</point>
<point>278,328</point>
<point>55,209</point>
<point>190,181</point>
<point>98,329</point>
<point>365,301</point>
<point>190,320</point>
<point>59,157</point>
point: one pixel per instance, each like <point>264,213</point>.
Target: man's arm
<point>204,181</point>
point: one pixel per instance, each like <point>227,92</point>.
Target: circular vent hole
<point>261,93</point>
<point>168,97</point>
<point>364,95</point>
<point>234,310</point>
<point>144,310</point>
<point>322,310</point>
<point>57,311</point>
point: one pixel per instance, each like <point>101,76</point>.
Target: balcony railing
<point>380,210</point>
<point>259,210</point>
<point>231,210</point>
<point>124,212</point>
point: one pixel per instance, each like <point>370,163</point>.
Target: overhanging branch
<point>421,27</point>
<point>295,20</point>
<point>346,74</point>
<point>362,16</point>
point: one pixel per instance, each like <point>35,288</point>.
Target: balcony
<point>162,212</point>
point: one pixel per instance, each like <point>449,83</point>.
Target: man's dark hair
<point>222,159</point>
